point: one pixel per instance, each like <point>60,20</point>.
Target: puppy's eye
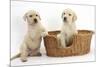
<point>70,14</point>
<point>30,15</point>
<point>64,13</point>
<point>36,15</point>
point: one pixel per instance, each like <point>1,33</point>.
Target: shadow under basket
<point>80,45</point>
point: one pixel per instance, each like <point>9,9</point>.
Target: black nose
<point>35,20</point>
<point>65,18</point>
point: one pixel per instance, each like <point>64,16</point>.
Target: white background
<point>51,19</point>
<point>4,37</point>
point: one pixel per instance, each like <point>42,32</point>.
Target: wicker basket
<point>80,45</point>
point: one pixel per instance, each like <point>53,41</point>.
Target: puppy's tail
<point>14,57</point>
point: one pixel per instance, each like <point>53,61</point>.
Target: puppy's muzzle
<point>65,19</point>
<point>35,20</point>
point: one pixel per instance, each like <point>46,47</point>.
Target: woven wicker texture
<point>81,44</point>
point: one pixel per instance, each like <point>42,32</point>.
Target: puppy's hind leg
<point>24,53</point>
<point>36,53</point>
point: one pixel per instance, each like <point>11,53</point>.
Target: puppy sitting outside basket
<point>31,44</point>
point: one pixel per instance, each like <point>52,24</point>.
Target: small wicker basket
<point>81,44</point>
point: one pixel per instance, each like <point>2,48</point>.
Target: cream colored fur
<point>68,28</point>
<point>31,44</point>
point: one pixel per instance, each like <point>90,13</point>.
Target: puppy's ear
<point>24,17</point>
<point>74,17</point>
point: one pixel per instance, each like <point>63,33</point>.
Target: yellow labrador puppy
<point>68,28</point>
<point>32,40</point>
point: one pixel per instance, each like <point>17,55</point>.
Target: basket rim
<point>90,33</point>
<point>77,30</point>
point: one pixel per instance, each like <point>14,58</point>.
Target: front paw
<point>44,34</point>
<point>76,32</point>
<point>23,59</point>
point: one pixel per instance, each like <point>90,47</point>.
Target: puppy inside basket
<point>68,29</point>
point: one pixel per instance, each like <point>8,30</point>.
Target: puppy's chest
<point>68,30</point>
<point>35,34</point>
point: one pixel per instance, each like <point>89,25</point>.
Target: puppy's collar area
<point>34,23</point>
<point>65,21</point>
